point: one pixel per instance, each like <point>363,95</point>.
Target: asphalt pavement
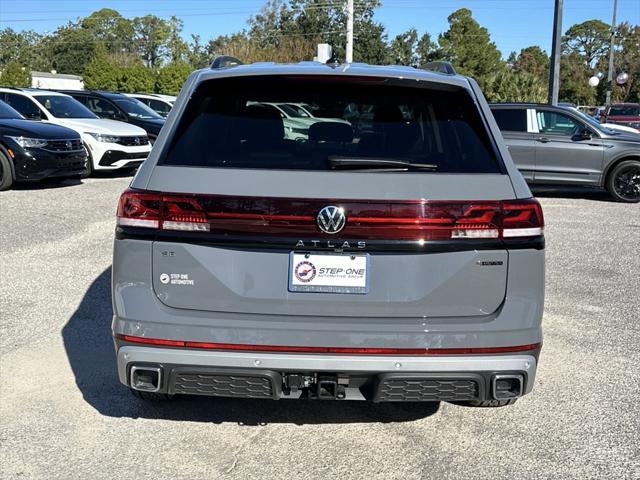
<point>63,414</point>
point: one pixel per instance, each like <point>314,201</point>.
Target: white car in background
<point>111,144</point>
<point>297,119</point>
<point>162,104</point>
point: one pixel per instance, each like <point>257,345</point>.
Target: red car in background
<point>623,114</point>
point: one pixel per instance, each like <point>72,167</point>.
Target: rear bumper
<point>367,377</point>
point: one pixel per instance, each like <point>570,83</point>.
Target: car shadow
<point>562,191</point>
<point>51,183</point>
<point>89,347</point>
<point>47,184</point>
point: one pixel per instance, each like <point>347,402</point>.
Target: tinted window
<point>557,123</point>
<point>103,108</point>
<point>511,120</point>
<point>160,107</point>
<point>8,112</point>
<point>24,105</point>
<point>62,106</point>
<point>237,123</point>
<point>627,110</point>
<point>135,108</point>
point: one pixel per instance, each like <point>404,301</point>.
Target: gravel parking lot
<point>64,414</point>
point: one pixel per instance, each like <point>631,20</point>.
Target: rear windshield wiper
<point>371,163</point>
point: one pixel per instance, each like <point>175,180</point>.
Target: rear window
<point>511,119</point>
<point>625,110</point>
<point>321,123</point>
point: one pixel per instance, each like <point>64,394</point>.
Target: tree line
<point>149,54</point>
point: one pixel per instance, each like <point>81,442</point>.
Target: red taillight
<point>416,220</point>
<point>333,350</point>
<point>139,209</point>
<point>522,218</point>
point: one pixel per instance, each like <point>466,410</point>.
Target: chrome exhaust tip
<point>145,379</point>
<point>505,387</point>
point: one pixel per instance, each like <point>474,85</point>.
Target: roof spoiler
<point>225,61</point>
<point>439,66</point>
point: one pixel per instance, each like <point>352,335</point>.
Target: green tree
<point>177,48</point>
<point>171,77</point>
<point>574,78</point>
<point>151,34</point>
<point>109,28</point>
<point>427,50</point>
<point>71,49</point>
<point>403,48</point>
<point>533,60</point>
<point>101,73</point>
<point>15,75</point>
<point>513,86</point>
<point>588,39</point>
<point>197,55</point>
<point>469,47</point>
<point>136,78</point>
<point>18,46</point>
<point>309,22</point>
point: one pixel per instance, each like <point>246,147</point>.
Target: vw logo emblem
<point>331,219</point>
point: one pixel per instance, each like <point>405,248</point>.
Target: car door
<point>567,150</point>
<point>514,123</point>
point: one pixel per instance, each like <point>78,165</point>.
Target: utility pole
<point>611,46</point>
<point>554,76</point>
<point>349,54</point>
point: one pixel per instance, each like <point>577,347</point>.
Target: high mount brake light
<point>366,219</point>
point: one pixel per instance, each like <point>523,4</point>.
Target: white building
<point>54,81</point>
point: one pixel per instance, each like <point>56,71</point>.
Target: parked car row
<point>115,131</point>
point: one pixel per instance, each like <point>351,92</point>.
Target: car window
<point>556,123</point>
<point>625,110</point>
<point>235,123</point>
<point>102,108</point>
<point>24,105</point>
<point>62,106</point>
<point>135,108</point>
<point>159,106</point>
<point>7,112</point>
<point>511,119</point>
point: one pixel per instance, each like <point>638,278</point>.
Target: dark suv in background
<point>32,151</point>
<point>561,145</point>
<point>116,106</point>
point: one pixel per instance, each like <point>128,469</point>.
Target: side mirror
<point>34,116</point>
<point>584,134</point>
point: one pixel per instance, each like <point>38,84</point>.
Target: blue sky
<point>513,24</point>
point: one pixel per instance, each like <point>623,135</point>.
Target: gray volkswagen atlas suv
<point>390,252</point>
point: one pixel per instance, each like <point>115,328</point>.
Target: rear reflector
<point>335,350</point>
<point>418,220</point>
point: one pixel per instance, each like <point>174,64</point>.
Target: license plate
<point>328,273</point>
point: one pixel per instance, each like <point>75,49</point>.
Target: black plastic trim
<point>259,242</point>
<point>275,379</point>
<point>378,395</point>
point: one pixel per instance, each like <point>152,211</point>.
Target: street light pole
<point>554,75</point>
<point>349,53</point>
<point>611,47</point>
